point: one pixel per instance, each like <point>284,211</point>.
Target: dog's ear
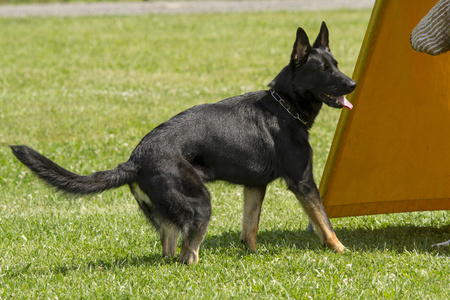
<point>301,48</point>
<point>322,38</point>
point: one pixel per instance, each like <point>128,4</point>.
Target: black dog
<point>249,140</point>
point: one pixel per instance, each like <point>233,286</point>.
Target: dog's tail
<point>71,183</point>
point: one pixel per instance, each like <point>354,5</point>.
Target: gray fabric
<point>432,34</point>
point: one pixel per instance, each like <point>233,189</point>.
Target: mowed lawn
<point>84,91</point>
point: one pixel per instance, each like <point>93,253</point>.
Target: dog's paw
<point>188,257</point>
<point>341,249</point>
<point>249,243</point>
<point>336,246</point>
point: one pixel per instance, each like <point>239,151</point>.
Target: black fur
<point>248,140</point>
<point>69,182</point>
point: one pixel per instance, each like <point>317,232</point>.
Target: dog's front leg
<point>309,197</point>
<point>253,199</point>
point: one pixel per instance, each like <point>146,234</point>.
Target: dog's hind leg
<point>175,200</point>
<point>168,232</point>
<point>195,199</point>
<point>193,232</point>
<point>169,237</point>
<point>192,238</point>
<point>253,199</point>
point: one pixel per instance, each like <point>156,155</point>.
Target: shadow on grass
<point>97,265</point>
<point>398,239</point>
<point>154,259</point>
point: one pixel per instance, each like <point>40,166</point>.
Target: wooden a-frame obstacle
<point>391,153</point>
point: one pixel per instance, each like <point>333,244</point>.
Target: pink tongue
<point>344,102</point>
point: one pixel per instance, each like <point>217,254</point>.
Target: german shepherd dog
<point>250,140</point>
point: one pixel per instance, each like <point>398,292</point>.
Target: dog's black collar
<point>286,106</point>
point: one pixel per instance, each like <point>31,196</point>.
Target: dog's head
<point>316,71</point>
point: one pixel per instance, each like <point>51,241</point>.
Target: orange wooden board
<point>391,153</point>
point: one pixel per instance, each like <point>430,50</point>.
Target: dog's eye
<point>324,68</point>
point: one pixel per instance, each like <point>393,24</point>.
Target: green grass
<point>72,1</point>
<point>84,91</point>
<point>75,1</point>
